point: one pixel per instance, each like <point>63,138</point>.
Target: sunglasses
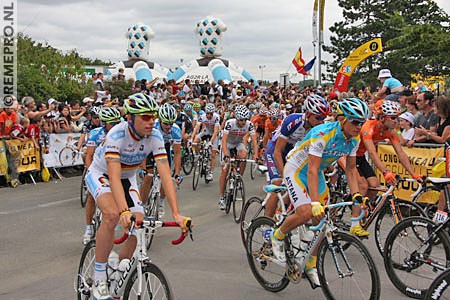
<point>391,117</point>
<point>167,124</point>
<point>149,116</point>
<point>356,122</point>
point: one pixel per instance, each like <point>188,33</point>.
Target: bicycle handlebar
<point>155,224</point>
<point>340,204</point>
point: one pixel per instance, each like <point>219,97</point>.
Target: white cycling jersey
<point>120,142</point>
<point>209,124</point>
<point>236,133</point>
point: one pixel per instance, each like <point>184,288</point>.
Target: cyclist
<point>304,178</point>
<point>88,125</point>
<point>270,125</point>
<point>373,132</point>
<point>109,117</point>
<point>184,121</point>
<point>259,121</point>
<point>293,129</point>
<point>197,110</point>
<point>210,123</point>
<point>111,179</point>
<point>234,139</point>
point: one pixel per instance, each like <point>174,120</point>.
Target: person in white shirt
<point>407,125</point>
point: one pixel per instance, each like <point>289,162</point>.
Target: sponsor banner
<point>25,155</point>
<point>422,161</point>
<point>353,60</point>
<point>63,151</point>
<point>3,160</point>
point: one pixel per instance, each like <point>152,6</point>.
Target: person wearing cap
<point>391,88</point>
<point>407,125</point>
<point>88,102</point>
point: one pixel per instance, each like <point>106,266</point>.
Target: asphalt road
<point>41,228</point>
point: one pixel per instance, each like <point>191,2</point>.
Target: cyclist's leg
<point>223,174</point>
<point>214,152</point>
<point>196,141</point>
<point>275,178</point>
<point>367,177</point>
<point>146,185</point>
<point>90,209</point>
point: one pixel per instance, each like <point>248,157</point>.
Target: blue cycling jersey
<point>96,137</point>
<point>291,129</point>
<point>174,135</point>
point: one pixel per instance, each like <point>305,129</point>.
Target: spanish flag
<point>299,63</point>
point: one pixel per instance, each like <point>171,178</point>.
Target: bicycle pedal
<point>363,237</point>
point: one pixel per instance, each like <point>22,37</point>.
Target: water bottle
<point>306,237</point>
<point>113,263</point>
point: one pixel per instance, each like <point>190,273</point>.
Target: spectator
<point>7,120</point>
<point>44,140</point>
<point>197,89</point>
<point>430,122</point>
<point>63,124</point>
<point>34,132</point>
<point>403,97</point>
<point>32,112</point>
<point>407,127</point>
<point>188,90</point>
<point>18,130</point>
<point>88,102</point>
<point>391,88</point>
<point>443,126</point>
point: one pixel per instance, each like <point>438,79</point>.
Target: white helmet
<point>241,112</point>
<point>210,108</point>
<point>317,105</point>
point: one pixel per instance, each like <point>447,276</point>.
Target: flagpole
<point>319,53</point>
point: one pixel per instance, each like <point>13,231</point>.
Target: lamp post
<point>262,72</point>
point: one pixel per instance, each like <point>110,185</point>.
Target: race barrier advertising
<point>63,151</point>
<point>3,160</point>
<point>422,161</point>
<point>25,154</point>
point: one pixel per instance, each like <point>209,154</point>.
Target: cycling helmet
<point>188,107</point>
<point>230,107</point>
<point>178,107</point>
<point>140,103</point>
<point>387,108</point>
<point>196,106</point>
<point>273,113</point>
<point>354,108</point>
<point>317,105</point>
<point>275,105</point>
<point>241,112</point>
<point>94,110</point>
<point>263,111</point>
<point>210,108</point>
<point>109,114</point>
<point>167,113</point>
<point>258,104</point>
<point>252,106</point>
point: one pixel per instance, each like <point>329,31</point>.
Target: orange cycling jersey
<point>270,127</point>
<point>373,130</point>
<point>258,120</point>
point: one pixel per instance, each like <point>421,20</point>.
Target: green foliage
<point>415,36</point>
<point>45,72</point>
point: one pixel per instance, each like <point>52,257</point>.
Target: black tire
<point>253,166</point>
<point>154,286</point>
<point>238,199</point>
<point>84,191</point>
<point>252,209</point>
<point>151,210</point>
<point>86,272</point>
<point>188,161</point>
<point>229,194</point>
<point>428,199</point>
<point>197,173</point>
<point>408,260</point>
<point>386,221</point>
<point>259,247</point>
<point>439,287</point>
<point>364,283</point>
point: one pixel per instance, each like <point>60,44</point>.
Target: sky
<point>260,33</point>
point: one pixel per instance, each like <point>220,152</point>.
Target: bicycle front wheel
<point>252,209</point>
<point>85,276</point>
<point>197,173</point>
<point>238,199</point>
<point>269,273</point>
<point>155,285</point>
<point>415,254</point>
<point>386,219</point>
<point>439,288</point>
<point>347,274</point>
<point>188,162</point>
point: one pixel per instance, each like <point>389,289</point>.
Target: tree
<point>397,22</point>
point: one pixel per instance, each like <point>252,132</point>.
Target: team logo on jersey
<point>333,146</point>
<point>141,148</point>
<point>104,181</point>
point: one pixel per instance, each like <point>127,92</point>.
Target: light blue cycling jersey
<point>173,136</point>
<point>96,137</point>
<point>326,141</point>
<point>392,83</point>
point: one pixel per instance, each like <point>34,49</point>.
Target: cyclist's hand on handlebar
<point>185,223</point>
<point>318,212</point>
<point>357,197</point>
<point>208,144</point>
<point>389,177</point>
<point>226,158</point>
<point>178,179</point>
<point>125,220</point>
<point>142,173</point>
<point>418,177</point>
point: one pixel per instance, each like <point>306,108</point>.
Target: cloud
<point>259,33</point>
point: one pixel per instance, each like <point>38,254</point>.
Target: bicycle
<point>202,166</point>
<point>385,210</point>
<point>187,159</point>
<point>83,191</point>
<point>140,278</point>
<point>337,268</point>
<point>439,287</point>
<point>417,250</point>
<point>255,207</point>
<point>151,207</point>
<point>234,190</point>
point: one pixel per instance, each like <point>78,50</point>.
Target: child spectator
<point>7,120</point>
<point>34,132</point>
<point>407,126</point>
<point>44,140</point>
<point>18,130</point>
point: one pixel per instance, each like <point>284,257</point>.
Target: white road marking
<point>15,211</point>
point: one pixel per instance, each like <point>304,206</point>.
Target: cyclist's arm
<point>177,157</point>
<point>266,136</point>
<point>352,174</point>
<point>370,147</point>
<point>278,154</point>
<point>215,133</point>
<point>166,180</point>
<point>254,144</point>
<point>403,157</point>
<point>194,132</point>
<point>114,174</point>
<point>313,177</point>
<point>224,144</point>
<point>90,150</point>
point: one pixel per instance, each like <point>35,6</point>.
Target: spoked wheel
<point>412,262</point>
<point>188,161</point>
<point>197,173</point>
<point>84,191</point>
<point>428,199</point>
<point>229,194</point>
<point>238,199</point>
<point>439,288</point>
<point>155,285</point>
<point>358,277</point>
<point>252,209</point>
<point>386,220</point>
<point>269,273</point>
<point>151,210</point>
<point>253,166</point>
<point>85,276</point>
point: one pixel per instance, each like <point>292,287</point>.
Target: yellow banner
<point>3,161</point>
<point>422,161</point>
<point>353,60</point>
<point>26,156</point>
